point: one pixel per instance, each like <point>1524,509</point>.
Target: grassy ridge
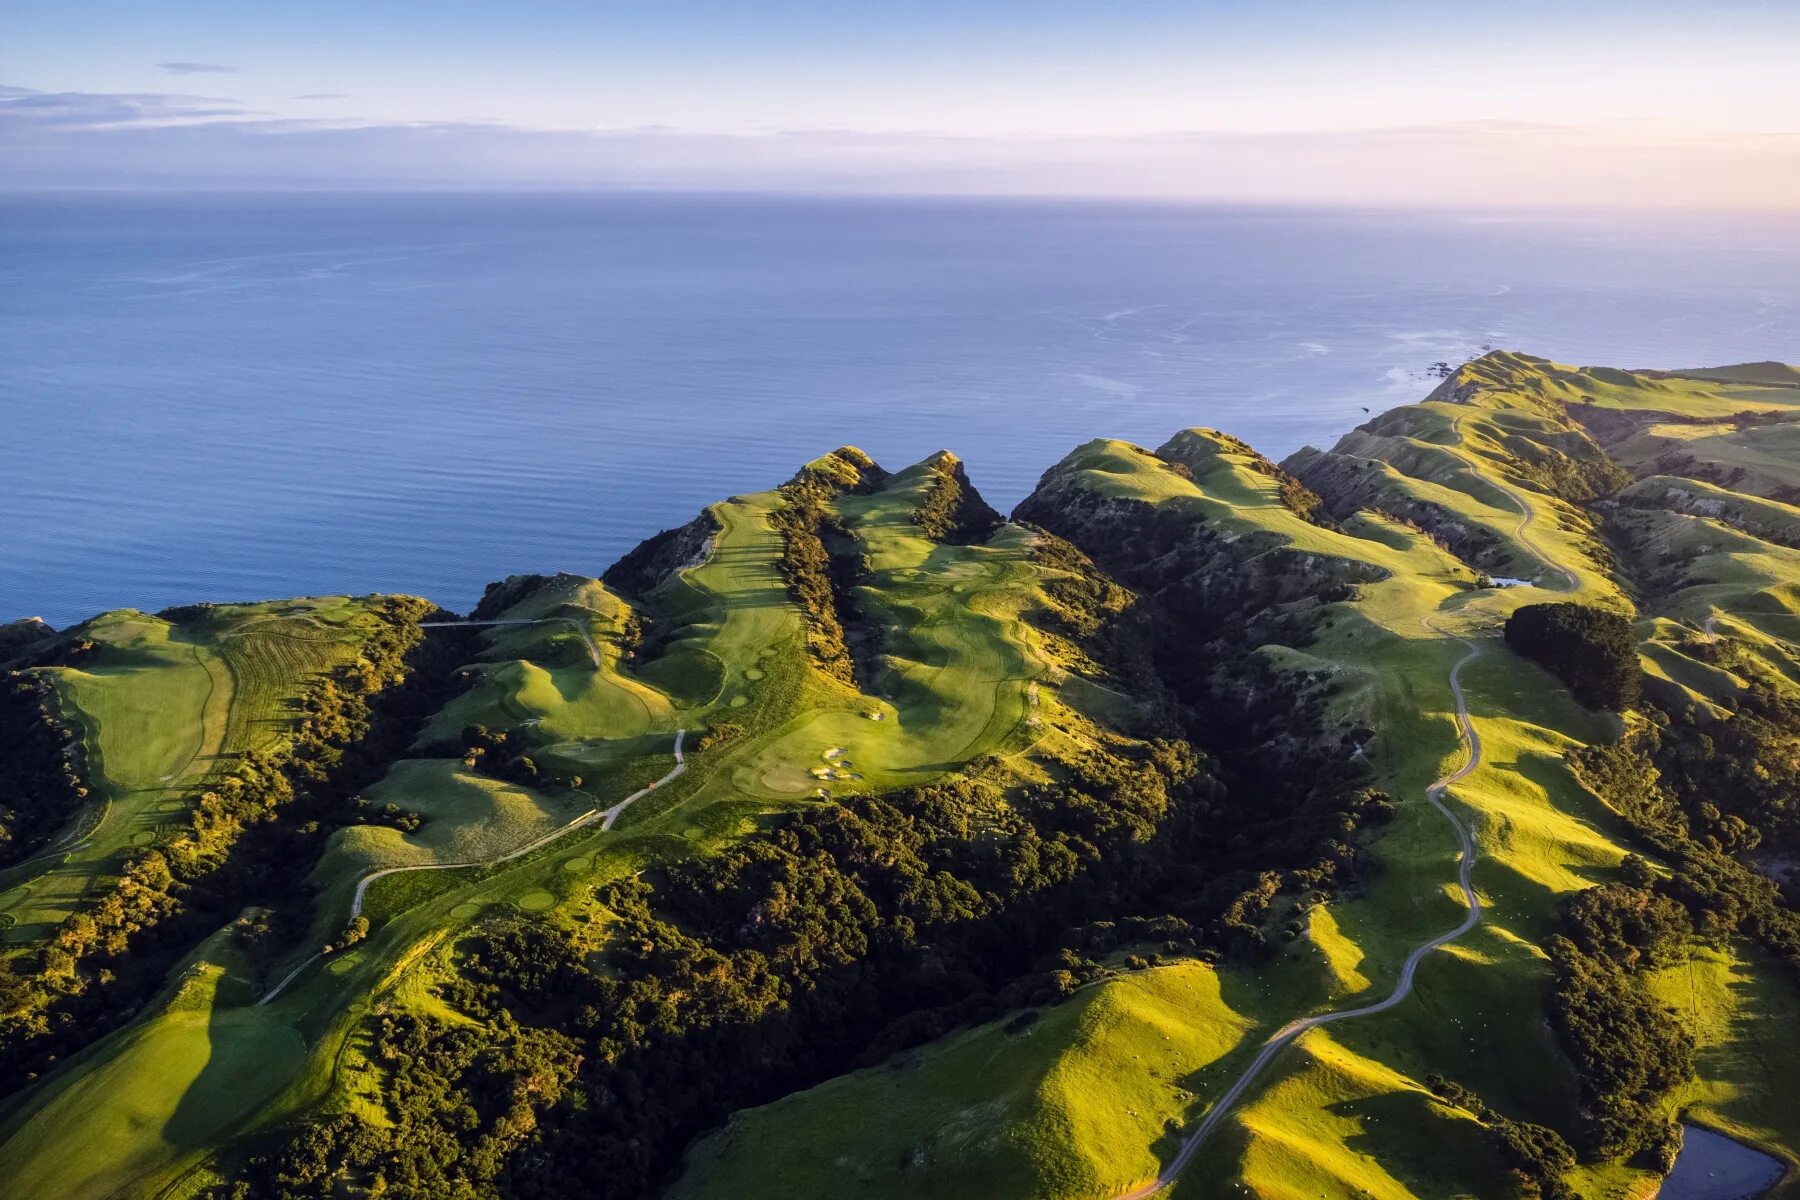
<point>188,1072</point>
<point>955,684</point>
<point>1057,1107</point>
<point>960,668</point>
<point>1348,1112</point>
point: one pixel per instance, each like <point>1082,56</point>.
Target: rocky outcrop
<point>650,564</point>
<point>22,641</point>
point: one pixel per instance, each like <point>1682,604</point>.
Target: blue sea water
<point>236,397</point>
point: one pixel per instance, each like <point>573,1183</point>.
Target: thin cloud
<point>323,96</point>
<point>104,110</point>
<point>196,68</point>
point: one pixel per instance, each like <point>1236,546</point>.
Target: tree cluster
<point>817,583</point>
<point>954,511</point>
<point>1593,650</point>
<point>851,931</point>
<point>1536,1155</point>
<point>1723,897</point>
<point>1627,1051</point>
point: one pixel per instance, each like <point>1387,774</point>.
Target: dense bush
<point>1593,650</point>
<point>836,937</point>
<point>1737,778</point>
<point>1630,926</point>
<point>1723,896</point>
<point>953,510</point>
<point>40,766</point>
<point>1628,1053</point>
<point>806,564</point>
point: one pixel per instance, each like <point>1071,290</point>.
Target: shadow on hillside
<point>251,1055</point>
<point>1423,1150</point>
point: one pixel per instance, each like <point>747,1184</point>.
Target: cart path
<point>1466,865</point>
<point>1293,1029</point>
<point>606,817</point>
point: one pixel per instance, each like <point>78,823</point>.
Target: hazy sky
<point>1622,101</point>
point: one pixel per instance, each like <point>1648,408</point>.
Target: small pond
<point>1712,1166</point>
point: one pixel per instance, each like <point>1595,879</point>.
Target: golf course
<point>1411,818</point>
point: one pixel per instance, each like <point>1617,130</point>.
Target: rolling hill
<point>1202,828</point>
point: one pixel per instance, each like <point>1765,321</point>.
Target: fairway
<point>162,705</point>
<point>1066,1106</point>
<point>1344,1112</point>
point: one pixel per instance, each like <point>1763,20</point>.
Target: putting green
<point>1344,1112</point>
<point>545,674</point>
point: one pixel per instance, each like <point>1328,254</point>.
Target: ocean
<point>231,397</point>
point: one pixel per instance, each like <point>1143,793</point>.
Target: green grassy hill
<point>853,839</point>
<point>1494,474</point>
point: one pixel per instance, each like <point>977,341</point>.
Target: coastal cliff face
<point>1235,564</point>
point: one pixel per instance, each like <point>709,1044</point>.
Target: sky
<point>1640,103</point>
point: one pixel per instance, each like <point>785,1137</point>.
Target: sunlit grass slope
<point>162,703</point>
<point>1391,672</point>
<point>160,1091</point>
<point>1500,473</point>
<point>1346,1112</point>
<point>955,666</point>
<point>1069,1105</point>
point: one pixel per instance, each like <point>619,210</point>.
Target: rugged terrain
<point>1211,824</point>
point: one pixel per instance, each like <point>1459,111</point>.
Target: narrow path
<point>1402,989</point>
<point>1527,514</point>
<point>1465,867</point>
<point>606,817</point>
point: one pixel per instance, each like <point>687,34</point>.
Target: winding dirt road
<point>1466,865</point>
<point>1527,514</point>
<point>1402,989</point>
<point>606,817</point>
